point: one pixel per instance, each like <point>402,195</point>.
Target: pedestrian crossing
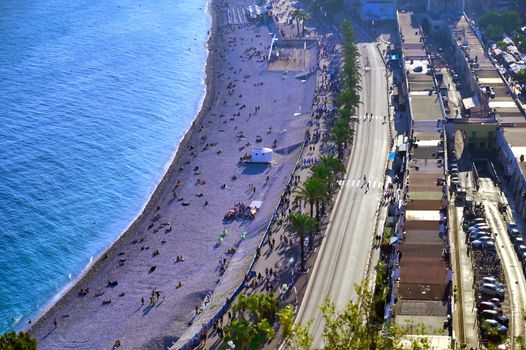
<point>359,183</point>
<point>374,117</point>
<point>234,15</point>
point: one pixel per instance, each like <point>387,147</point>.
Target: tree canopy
<point>17,341</point>
<point>495,25</point>
<point>521,76</point>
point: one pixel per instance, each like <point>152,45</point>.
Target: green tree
<point>342,134</point>
<point>349,99</point>
<point>254,323</point>
<point>495,25</point>
<point>302,224</point>
<point>313,190</point>
<point>502,45</point>
<point>328,169</point>
<point>351,58</point>
<point>521,76</point>
<point>300,17</point>
<point>17,341</point>
<point>352,329</point>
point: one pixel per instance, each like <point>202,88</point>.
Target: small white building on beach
<point>261,155</point>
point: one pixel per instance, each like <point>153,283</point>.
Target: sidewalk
<point>277,269</point>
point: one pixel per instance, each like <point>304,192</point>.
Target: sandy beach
<point>139,292</point>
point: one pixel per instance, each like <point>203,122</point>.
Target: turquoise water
<point>94,98</point>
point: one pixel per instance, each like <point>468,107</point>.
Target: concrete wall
<point>512,173</point>
<point>477,137</point>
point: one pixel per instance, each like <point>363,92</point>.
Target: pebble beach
<point>146,288</point>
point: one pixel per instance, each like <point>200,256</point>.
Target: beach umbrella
<point>225,232</point>
<point>243,234</point>
<point>220,239</point>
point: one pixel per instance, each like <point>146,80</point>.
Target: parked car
<point>482,237</point>
<point>492,325</point>
<point>490,315</point>
<point>418,69</point>
<point>487,305</point>
<point>512,225</point>
<point>478,224</point>
<point>492,280</point>
<point>518,241</point>
<point>514,233</point>
<point>479,227</point>
<point>483,245</point>
<point>477,221</point>
<point>492,290</point>
<point>521,249</point>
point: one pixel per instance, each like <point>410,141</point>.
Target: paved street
<point>344,253</point>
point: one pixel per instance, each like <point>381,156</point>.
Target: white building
<point>261,155</point>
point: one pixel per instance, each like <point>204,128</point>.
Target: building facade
<point>378,10</point>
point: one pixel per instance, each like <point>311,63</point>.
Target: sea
<point>95,96</point>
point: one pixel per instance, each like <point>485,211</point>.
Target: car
<point>479,233</point>
<point>482,237</point>
<point>487,305</point>
<point>481,227</point>
<point>495,301</point>
<point>492,290</point>
<point>454,169</point>
<point>492,280</point>
<point>478,224</point>
<point>522,258</point>
<point>455,180</point>
<point>514,232</point>
<point>492,325</point>
<point>512,225</point>
<point>482,242</point>
<point>486,230</point>
<point>488,246</point>
<point>517,241</point>
<point>521,249</point>
<point>479,237</point>
<point>477,221</point>
<point>494,315</point>
<point>418,69</point>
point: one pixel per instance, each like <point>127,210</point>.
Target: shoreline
<point>83,322</point>
<point>148,207</point>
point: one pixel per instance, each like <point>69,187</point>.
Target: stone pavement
<point>278,264</point>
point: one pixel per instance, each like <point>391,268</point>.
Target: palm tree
<point>313,190</point>
<point>301,224</point>
<point>242,333</point>
<point>349,100</point>
<point>300,15</point>
<point>341,134</point>
<point>333,163</point>
<point>256,316</point>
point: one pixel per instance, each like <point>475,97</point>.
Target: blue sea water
<point>95,96</point>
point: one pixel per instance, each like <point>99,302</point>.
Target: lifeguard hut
<point>261,155</point>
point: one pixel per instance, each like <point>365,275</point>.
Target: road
<point>515,281</point>
<point>344,253</point>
